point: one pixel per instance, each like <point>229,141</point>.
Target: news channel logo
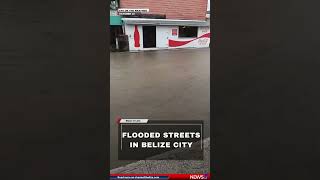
<point>199,176</point>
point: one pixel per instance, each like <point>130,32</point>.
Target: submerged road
<point>167,84</point>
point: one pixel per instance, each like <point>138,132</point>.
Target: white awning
<point>165,22</point>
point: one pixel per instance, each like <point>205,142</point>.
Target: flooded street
<point>167,84</point>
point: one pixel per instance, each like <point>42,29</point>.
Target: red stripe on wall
<point>174,43</point>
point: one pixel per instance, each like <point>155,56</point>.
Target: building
<point>165,24</point>
<point>150,34</point>
<point>115,24</point>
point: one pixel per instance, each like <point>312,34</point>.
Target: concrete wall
<point>129,30</point>
<point>164,34</point>
<point>195,42</point>
<point>173,9</point>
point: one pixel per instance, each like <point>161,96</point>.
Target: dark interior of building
<point>115,31</point>
<point>149,36</point>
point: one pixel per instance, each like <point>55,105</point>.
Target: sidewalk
<point>169,166</point>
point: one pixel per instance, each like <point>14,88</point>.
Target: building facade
<point>152,34</point>
<point>173,9</point>
<point>165,24</point>
<point>115,24</point>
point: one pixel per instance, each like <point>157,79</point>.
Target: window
<point>188,31</point>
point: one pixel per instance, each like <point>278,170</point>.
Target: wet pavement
<point>167,84</point>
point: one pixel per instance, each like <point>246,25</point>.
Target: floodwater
<point>166,84</point>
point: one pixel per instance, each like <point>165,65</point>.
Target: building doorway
<point>115,31</point>
<point>149,36</point>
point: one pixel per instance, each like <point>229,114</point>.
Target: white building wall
<point>203,42</point>
<point>129,30</point>
<point>164,34</point>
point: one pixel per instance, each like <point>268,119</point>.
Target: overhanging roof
<point>164,22</point>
